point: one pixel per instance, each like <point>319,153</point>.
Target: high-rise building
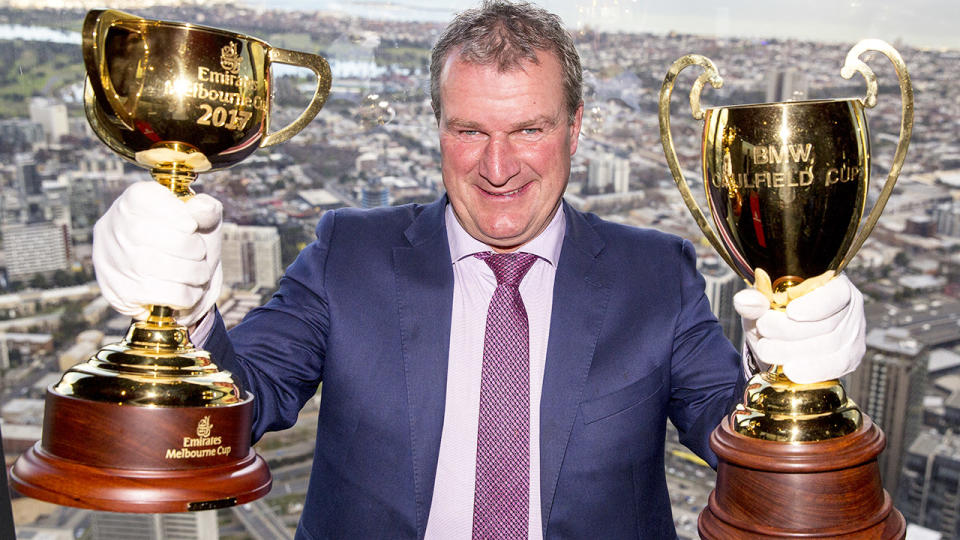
<point>251,256</point>
<point>25,203</point>
<point>947,218</point>
<point>185,526</point>
<point>929,492</point>
<point>11,207</point>
<point>375,194</point>
<point>608,173</point>
<point>721,284</point>
<point>32,197</point>
<point>19,135</point>
<point>28,178</point>
<point>36,248</point>
<point>52,117</point>
<point>86,198</point>
<point>889,387</point>
<point>56,202</point>
<point>787,85</point>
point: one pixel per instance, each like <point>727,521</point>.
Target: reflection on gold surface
<point>777,409</point>
<point>157,87</point>
<point>798,222</point>
<point>155,365</point>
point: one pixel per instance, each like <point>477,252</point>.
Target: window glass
<point>375,143</point>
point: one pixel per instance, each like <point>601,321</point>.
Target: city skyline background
<point>922,23</point>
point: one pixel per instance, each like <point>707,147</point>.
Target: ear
<point>575,128</point>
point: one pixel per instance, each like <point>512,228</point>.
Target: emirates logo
<point>230,58</point>
<point>204,427</point>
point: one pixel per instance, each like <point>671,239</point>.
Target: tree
<point>39,281</point>
<point>901,259</point>
<point>71,324</point>
<point>61,278</point>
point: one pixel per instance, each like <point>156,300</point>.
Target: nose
<point>499,162</point>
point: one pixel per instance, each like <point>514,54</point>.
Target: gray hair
<point>503,33</point>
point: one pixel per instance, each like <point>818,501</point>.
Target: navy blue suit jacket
<point>366,310</point>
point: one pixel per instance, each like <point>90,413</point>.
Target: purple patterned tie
<point>501,500</point>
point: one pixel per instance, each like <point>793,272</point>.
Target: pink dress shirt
<point>451,512</point>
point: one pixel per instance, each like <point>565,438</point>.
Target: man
<point>457,402</point>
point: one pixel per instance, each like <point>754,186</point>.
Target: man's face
<point>506,141</point>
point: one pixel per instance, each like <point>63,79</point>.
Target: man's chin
<point>504,243</point>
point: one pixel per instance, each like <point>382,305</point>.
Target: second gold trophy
<point>786,184</point>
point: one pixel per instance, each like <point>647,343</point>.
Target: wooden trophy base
<point>123,458</point>
<point>824,489</point>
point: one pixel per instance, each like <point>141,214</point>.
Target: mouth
<point>506,194</point>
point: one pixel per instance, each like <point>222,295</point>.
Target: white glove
<point>820,336</point>
<point>151,248</point>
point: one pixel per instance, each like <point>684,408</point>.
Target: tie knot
<point>509,268</point>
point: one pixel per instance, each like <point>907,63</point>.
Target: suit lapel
<point>425,296</point>
<point>580,296</point>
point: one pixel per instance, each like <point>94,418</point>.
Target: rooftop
<point>319,197</point>
<point>894,340</point>
<point>942,359</point>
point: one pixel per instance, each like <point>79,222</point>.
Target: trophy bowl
<point>786,184</point>
<point>150,424</point>
<point>180,98</point>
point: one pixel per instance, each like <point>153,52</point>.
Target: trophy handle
<point>96,26</point>
<point>321,69</point>
<point>852,65</point>
<point>710,75</point>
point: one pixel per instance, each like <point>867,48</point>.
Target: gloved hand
<point>820,336</point>
<point>152,248</point>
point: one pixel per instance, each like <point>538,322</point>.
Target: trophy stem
<point>154,366</point>
<point>159,333</point>
<point>778,409</point>
<point>160,313</point>
<point>177,178</point>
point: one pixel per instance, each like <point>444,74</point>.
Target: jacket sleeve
<point>277,353</point>
<point>706,378</point>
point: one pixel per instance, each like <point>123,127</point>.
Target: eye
<point>469,132</point>
<point>531,131</point>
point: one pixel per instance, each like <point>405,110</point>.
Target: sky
<point>922,23</point>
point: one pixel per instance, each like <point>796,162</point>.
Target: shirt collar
<point>545,245</point>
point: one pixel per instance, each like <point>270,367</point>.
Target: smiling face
<point>506,139</point>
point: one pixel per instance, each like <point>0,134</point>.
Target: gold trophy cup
<point>150,424</point>
<point>787,184</point>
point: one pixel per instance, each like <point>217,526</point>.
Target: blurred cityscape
<point>375,143</point>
